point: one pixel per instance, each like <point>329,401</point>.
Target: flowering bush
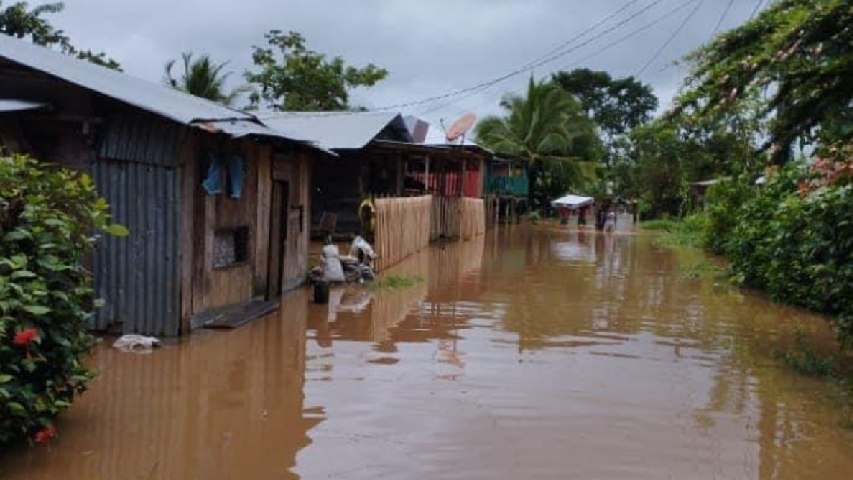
<point>47,216</point>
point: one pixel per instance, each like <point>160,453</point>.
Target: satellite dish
<point>461,126</point>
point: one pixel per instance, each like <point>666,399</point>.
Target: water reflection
<point>540,353</point>
<point>218,406</point>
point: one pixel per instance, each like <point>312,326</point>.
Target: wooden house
<point>417,192</point>
<point>505,190</point>
<point>216,203</point>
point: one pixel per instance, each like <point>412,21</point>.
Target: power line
<point>756,9</point>
<point>580,35</point>
<point>671,38</point>
<point>723,16</point>
<point>533,63</point>
<point>626,37</point>
<point>519,71</point>
<point>473,90</point>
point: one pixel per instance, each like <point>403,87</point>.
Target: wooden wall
<point>402,228</point>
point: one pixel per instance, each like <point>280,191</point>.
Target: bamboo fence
<point>402,228</point>
<point>472,219</point>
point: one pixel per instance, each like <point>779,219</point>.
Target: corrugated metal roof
<point>153,97</point>
<point>14,105</point>
<point>336,130</point>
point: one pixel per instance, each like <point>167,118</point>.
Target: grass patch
<point>688,232</point>
<point>394,282</point>
<point>661,224</point>
<point>805,360</point>
<point>701,269</point>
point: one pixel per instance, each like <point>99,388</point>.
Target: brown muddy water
<point>529,353</point>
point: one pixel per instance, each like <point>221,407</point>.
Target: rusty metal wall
<point>139,276</point>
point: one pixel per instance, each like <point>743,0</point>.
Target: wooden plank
<point>189,170</point>
<point>262,222</point>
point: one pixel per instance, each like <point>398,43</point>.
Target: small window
<point>230,247</point>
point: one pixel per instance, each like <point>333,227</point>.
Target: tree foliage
<point>548,129</point>
<point>47,217</point>
<point>797,56</point>
<point>616,104</point>
<point>17,20</point>
<point>292,77</point>
<point>204,78</point>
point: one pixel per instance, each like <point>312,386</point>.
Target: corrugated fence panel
<point>138,276</point>
<point>141,137</point>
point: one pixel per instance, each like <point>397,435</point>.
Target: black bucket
<point>321,292</point>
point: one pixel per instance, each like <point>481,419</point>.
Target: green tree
<point>291,77</point>
<point>795,59</point>
<point>17,20</point>
<point>203,78</point>
<point>549,130</point>
<point>659,156</point>
<point>616,104</point>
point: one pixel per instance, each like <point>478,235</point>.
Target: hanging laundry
<point>213,180</point>
<point>237,173</point>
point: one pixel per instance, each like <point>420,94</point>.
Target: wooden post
<point>426,175</point>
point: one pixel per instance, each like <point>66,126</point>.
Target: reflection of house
<point>191,248</point>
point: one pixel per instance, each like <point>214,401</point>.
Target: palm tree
<point>203,78</point>
<point>548,129</point>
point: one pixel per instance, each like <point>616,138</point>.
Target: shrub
<point>47,216</point>
<point>723,201</point>
<point>796,243</point>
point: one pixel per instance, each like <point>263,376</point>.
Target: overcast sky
<point>430,47</point>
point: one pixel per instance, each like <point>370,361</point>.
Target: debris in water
<point>136,343</point>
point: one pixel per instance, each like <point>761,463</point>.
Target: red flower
<point>45,434</point>
<point>25,336</point>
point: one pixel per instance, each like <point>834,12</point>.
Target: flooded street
<point>528,353</point>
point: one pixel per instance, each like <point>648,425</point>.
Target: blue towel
<point>213,180</point>
<point>237,172</point>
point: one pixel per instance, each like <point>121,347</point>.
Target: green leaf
<point>17,409</point>
<point>117,230</point>
<point>5,378</point>
<point>36,309</point>
<point>23,274</point>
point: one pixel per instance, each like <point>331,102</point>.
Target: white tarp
<point>572,201</point>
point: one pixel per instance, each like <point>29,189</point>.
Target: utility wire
<point>671,38</point>
<point>473,90</point>
<point>531,64</point>
<point>581,34</point>
<point>624,38</point>
<point>756,9</point>
<point>519,71</point>
<point>723,16</point>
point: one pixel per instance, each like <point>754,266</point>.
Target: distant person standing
<point>610,223</point>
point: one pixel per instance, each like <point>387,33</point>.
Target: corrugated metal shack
<point>193,249</point>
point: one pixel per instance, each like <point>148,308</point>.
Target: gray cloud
<point>430,47</point>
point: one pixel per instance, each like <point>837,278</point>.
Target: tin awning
<point>15,105</point>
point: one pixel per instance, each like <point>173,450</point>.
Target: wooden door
<point>279,203</point>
